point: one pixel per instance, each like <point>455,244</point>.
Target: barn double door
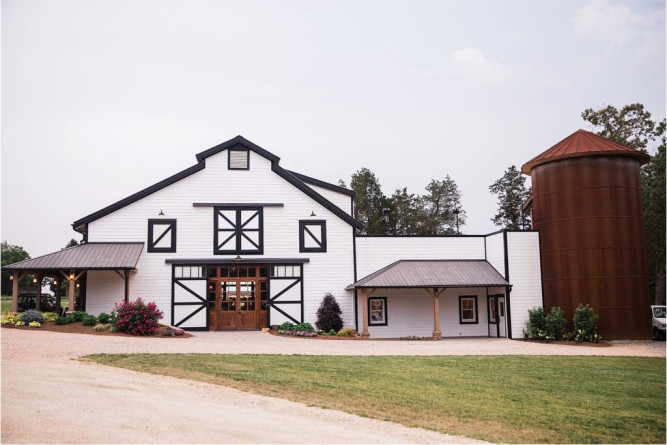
<point>238,298</point>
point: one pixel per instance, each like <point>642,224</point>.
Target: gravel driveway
<point>49,396</point>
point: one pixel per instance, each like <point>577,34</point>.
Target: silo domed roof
<point>583,143</point>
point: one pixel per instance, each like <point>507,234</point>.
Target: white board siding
<point>410,313</point>
<point>495,252</point>
<point>326,272</point>
<point>104,288</point>
<point>525,275</point>
<point>374,253</point>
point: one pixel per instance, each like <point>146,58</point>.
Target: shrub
<point>536,324</point>
<point>101,327</point>
<point>287,326</point>
<point>304,327</point>
<point>585,324</point>
<point>50,316</point>
<point>347,333</point>
<point>19,323</point>
<point>555,324</point>
<point>65,320</point>
<point>137,317</point>
<point>329,314</point>
<point>89,320</point>
<point>9,319</point>
<point>78,316</point>
<point>103,318</point>
<point>34,324</point>
<point>32,315</point>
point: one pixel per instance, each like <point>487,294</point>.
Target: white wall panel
<point>326,272</point>
<point>104,288</point>
<point>525,275</point>
<point>410,313</point>
<point>344,202</point>
<point>374,253</point>
<point>495,252</point>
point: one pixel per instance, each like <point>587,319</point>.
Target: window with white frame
<point>468,309</point>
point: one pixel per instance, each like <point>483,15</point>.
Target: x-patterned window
<point>313,236</point>
<point>162,235</point>
<point>238,230</point>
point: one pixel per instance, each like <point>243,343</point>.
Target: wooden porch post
<point>15,292</point>
<point>58,295</point>
<point>38,292</point>
<point>70,293</point>
<point>437,334</point>
<point>364,303</point>
<point>126,273</point>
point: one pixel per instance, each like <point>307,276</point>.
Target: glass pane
<point>252,272</point>
<point>265,306</point>
<point>224,272</point>
<point>263,271</point>
<point>212,272</point>
<point>233,272</point>
<point>263,285</point>
<point>225,306</point>
<point>243,272</point>
<point>251,305</point>
<point>232,303</point>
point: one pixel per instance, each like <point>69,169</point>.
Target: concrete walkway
<point>49,396</point>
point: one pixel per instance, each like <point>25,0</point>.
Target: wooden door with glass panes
<point>238,297</point>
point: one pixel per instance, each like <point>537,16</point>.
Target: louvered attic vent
<point>239,159</point>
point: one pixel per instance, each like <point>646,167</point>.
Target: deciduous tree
<point>11,254</point>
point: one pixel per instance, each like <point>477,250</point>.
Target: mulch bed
<point>78,328</point>
<point>601,344</point>
<point>319,337</point>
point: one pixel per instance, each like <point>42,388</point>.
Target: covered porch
<point>72,264</point>
<point>456,297</point>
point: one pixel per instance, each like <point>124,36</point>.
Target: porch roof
<point>433,273</point>
<point>88,256</point>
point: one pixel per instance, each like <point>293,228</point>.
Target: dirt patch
<point>78,328</point>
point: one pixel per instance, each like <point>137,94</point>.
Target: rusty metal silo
<point>587,205</point>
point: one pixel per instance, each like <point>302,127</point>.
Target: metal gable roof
<point>433,273</point>
<point>583,143</point>
<point>100,256</point>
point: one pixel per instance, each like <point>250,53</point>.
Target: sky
<point>101,99</point>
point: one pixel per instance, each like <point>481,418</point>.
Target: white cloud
<point>472,66</point>
<point>609,22</point>
<point>418,71</point>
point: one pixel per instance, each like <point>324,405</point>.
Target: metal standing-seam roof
<point>90,256</point>
<point>433,273</point>
<point>583,143</point>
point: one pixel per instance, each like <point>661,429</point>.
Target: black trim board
<point>304,231</point>
<point>322,184</point>
<point>78,225</point>
<point>316,196</point>
<point>232,261</point>
<point>508,289</point>
<point>237,142</point>
<point>137,196</point>
<point>151,241</point>
<point>238,204</point>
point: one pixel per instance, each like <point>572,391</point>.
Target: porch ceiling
<point>88,256</point>
<point>433,273</point>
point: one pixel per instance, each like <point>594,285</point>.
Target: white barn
<point>238,242</point>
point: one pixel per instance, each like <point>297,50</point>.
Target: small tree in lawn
<point>328,315</point>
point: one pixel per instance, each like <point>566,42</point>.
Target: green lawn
<point>501,399</point>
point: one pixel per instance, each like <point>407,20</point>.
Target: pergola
<point>71,264</point>
<point>431,276</point>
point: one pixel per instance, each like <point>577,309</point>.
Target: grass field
<point>500,399</point>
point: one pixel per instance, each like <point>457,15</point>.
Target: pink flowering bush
<point>136,317</point>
